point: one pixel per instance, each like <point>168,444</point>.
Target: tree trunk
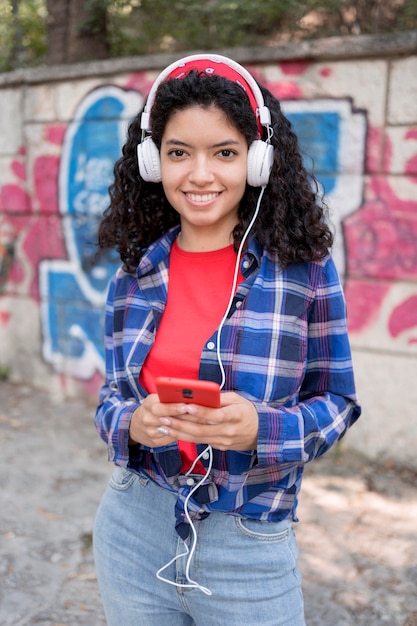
<point>76,31</point>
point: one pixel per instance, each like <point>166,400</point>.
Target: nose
<point>201,173</point>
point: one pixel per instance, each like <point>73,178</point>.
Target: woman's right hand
<point>145,425</point>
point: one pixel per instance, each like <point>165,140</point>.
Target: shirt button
<point>211,345</point>
<point>238,304</point>
<point>246,264</point>
<point>206,456</point>
<point>190,481</point>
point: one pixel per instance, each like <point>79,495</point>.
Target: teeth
<point>202,197</point>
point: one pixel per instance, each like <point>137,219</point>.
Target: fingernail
<point>165,420</point>
<point>162,430</point>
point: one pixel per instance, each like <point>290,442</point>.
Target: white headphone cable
<point>208,449</point>
<point>234,283</point>
<point>191,583</point>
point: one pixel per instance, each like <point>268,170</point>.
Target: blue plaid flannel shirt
<point>284,347</point>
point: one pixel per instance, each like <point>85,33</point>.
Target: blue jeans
<point>249,566</point>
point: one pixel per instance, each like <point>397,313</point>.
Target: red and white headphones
<point>260,154</point>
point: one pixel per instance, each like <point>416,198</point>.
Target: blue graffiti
<point>318,132</point>
<point>73,292</point>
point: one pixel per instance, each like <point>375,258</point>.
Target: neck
<point>203,242</point>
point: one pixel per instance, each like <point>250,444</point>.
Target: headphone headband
<point>260,153</point>
<point>217,65</point>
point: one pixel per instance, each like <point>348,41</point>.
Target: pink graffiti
<point>411,165</point>
<point>88,388</point>
<point>287,91</point>
<point>5,317</point>
<point>404,317</point>
<point>44,238</point>
<point>45,173</point>
<point>326,72</point>
<point>283,90</point>
<point>92,386</point>
<point>35,235</point>
<point>382,237</point>
<point>380,150</point>
<point>33,222</point>
<point>55,134</point>
<point>14,199</point>
<point>295,68</point>
<point>374,145</point>
<point>19,170</point>
<point>381,244</point>
<point>363,300</point>
<point>387,153</point>
<point>139,82</point>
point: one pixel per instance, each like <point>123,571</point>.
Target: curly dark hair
<point>292,223</point>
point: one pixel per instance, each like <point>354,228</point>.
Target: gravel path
<point>357,534</point>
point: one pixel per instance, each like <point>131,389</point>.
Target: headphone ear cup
<point>149,161</point>
<point>260,161</point>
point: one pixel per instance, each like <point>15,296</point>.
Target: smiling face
<point>203,166</point>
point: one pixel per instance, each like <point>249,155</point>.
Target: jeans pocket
<point>264,531</point>
<point>122,478</point>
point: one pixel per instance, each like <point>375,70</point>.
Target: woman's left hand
<point>234,426</point>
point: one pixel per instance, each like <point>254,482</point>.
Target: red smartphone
<point>203,392</point>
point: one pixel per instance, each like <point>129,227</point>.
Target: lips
<point>202,197</point>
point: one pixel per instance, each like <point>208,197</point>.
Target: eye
<point>227,153</point>
<point>177,153</point>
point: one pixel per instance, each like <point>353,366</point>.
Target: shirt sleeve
<point>115,409</point>
<point>327,404</point>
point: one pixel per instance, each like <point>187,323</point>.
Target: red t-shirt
<point>198,293</point>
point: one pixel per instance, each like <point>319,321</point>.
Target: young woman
<point>226,276</point>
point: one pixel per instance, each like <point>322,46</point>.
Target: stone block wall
<point>353,103</point>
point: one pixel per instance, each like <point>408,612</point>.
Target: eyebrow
<point>221,144</point>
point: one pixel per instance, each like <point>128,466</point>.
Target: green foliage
<point>137,27</point>
<point>360,17</point>
<point>96,11</point>
<point>152,26</point>
<point>208,25</point>
<point>22,33</point>
<point>407,15</point>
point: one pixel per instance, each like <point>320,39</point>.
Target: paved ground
<point>357,534</point>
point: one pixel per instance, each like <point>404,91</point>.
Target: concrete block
<point>11,121</point>
<point>23,351</point>
<point>365,82</point>
<point>70,94</point>
<point>40,103</point>
<point>387,429</point>
<point>402,94</point>
<point>401,151</point>
<point>383,317</point>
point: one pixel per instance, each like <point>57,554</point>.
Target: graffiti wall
<point>357,125</point>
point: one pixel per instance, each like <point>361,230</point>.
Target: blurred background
<point>72,75</point>
<point>35,32</point>
<point>74,72</point>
